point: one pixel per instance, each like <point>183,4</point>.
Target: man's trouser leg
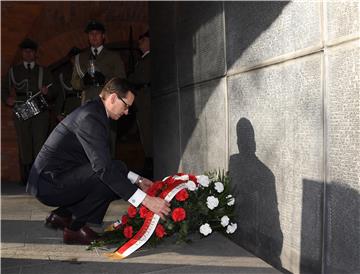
<point>79,191</point>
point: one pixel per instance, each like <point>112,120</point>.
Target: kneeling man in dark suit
<point>74,170</point>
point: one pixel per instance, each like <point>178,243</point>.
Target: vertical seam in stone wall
<point>227,141</point>
<point>224,34</point>
<point>324,77</point>
<point>178,90</point>
<point>324,65</point>
<point>179,126</point>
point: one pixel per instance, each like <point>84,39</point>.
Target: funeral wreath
<point>202,204</point>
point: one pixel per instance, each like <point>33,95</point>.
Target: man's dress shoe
<point>57,222</point>
<point>83,236</point>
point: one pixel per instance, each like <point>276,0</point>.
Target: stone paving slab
<point>28,247</point>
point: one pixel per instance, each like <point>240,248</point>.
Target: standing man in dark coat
<point>95,66</point>
<point>74,170</point>
<point>23,81</point>
<point>141,79</point>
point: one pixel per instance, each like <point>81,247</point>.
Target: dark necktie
<point>28,66</point>
<point>95,52</point>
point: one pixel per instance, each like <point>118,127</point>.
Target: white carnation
<point>182,177</point>
<point>203,180</point>
<point>231,228</point>
<point>231,200</point>
<point>225,221</point>
<point>191,185</point>
<point>219,187</point>
<point>205,229</point>
<point>212,202</point>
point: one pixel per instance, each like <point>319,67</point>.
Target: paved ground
<point>27,247</point>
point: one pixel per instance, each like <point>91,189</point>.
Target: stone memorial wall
<point>269,91</point>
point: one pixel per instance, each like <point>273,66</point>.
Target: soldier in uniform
<point>68,98</point>
<point>23,81</point>
<point>94,67</point>
<point>141,79</point>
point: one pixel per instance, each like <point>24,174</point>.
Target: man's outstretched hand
<point>145,184</point>
<point>157,205</point>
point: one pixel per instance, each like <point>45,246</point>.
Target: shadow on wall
<point>257,208</point>
<point>311,227</point>
<point>339,229</point>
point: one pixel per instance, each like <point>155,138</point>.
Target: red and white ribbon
<point>149,226</point>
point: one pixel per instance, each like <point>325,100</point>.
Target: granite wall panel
<point>343,159</point>
<point>163,41</point>
<point>275,142</point>
<point>258,31</point>
<point>166,135</point>
<point>343,19</point>
<point>203,127</point>
<point>200,41</point>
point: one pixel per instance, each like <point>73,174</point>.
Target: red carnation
<point>178,214</point>
<point>155,187</point>
<point>151,192</point>
<point>132,211</point>
<point>124,219</point>
<point>159,185</point>
<point>143,211</point>
<point>169,180</point>
<point>182,195</point>
<point>160,231</point>
<point>128,231</point>
<point>192,178</point>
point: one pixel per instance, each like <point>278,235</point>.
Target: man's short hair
<point>94,25</point>
<point>119,86</point>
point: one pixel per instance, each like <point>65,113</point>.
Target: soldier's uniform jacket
<point>108,62</point>
<point>27,82</point>
<point>31,133</point>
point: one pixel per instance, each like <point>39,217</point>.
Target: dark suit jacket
<point>81,142</point>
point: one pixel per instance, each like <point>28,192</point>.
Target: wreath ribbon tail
<point>115,256</point>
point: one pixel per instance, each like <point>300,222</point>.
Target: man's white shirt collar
<point>99,49</point>
<point>32,64</point>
